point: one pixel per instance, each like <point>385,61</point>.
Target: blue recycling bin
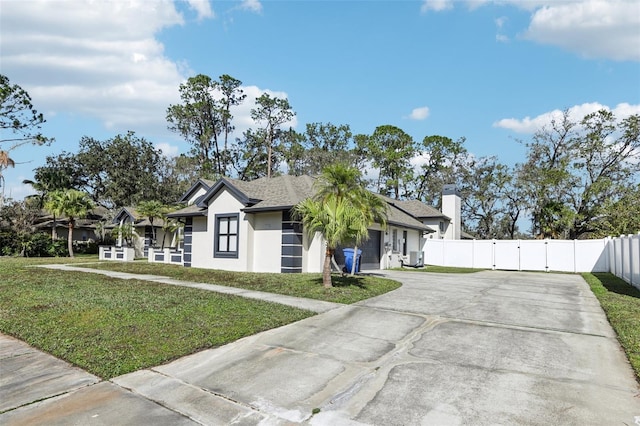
<point>348,259</point>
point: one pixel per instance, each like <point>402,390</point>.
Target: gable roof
<point>200,183</point>
<point>136,218</point>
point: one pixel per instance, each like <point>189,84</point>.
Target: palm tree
<point>171,226</point>
<point>335,219</point>
<point>343,182</point>
<point>151,209</point>
<point>72,204</point>
<point>5,163</point>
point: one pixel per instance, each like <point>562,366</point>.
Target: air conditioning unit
<point>415,259</point>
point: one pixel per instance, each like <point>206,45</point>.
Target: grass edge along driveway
<point>111,327</point>
<point>621,303</point>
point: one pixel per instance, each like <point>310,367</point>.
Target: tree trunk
<point>355,258</point>
<point>70,238</point>
<point>54,231</point>
<point>326,269</point>
<point>269,159</point>
<point>153,234</point>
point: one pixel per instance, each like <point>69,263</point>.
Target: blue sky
<point>490,71</point>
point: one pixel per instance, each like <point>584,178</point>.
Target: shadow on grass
<point>616,285</point>
<point>345,281</point>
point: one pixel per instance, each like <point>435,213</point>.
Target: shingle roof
<point>191,210</point>
<point>419,209</point>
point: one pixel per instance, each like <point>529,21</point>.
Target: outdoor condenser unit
<point>415,258</point>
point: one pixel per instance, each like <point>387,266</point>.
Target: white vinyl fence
<point>620,256</point>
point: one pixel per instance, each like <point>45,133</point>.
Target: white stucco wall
<point>392,258</point>
<point>267,242</point>
<point>201,244</point>
<point>313,253</point>
<point>451,205</point>
<point>203,235</point>
<point>434,224</point>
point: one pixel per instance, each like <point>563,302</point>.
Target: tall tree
<point>446,161</point>
<point>123,171</point>
<point>484,194</point>
<point>204,119</point>
<point>607,162</point>
<point>321,145</point>
<point>271,113</point>
<point>575,171</point>
<point>232,95</point>
<point>390,150</point>
<point>71,203</point>
<point>20,123</point>
<point>546,177</point>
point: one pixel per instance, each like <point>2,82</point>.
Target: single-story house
<point>142,238</point>
<point>247,226</point>
<point>84,229</point>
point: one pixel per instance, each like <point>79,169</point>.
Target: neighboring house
<point>142,237</point>
<point>84,229</point>
<point>246,226</point>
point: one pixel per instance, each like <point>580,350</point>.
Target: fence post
<point>575,268</point>
<point>493,253</point>
<point>546,255</point>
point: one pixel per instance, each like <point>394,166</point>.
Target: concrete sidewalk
<point>485,348</point>
<point>312,305</point>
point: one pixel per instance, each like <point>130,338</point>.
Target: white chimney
<point>451,207</point>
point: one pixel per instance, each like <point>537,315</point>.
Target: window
<point>442,228</point>
<point>226,235</point>
<point>394,240</point>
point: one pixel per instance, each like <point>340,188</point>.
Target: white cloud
<point>251,5</point>
<point>167,149</point>
<point>593,28</point>
<point>102,59</point>
<point>590,28</point>
<point>436,5</point>
<point>419,113</point>
<point>242,113</point>
<point>576,113</point>
<point>202,7</point>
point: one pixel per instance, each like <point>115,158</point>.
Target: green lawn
<point>345,289</point>
<point>621,303</point>
<point>111,327</point>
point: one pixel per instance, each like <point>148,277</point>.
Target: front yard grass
<point>621,302</point>
<point>111,327</point>
<point>345,290</point>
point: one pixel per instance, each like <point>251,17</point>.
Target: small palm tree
<point>72,204</point>
<point>151,209</point>
<point>5,163</point>
<point>336,219</point>
<point>171,226</point>
<point>343,182</point>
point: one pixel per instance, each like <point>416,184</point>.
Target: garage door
<point>370,252</point>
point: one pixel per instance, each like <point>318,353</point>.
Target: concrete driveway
<point>490,348</point>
